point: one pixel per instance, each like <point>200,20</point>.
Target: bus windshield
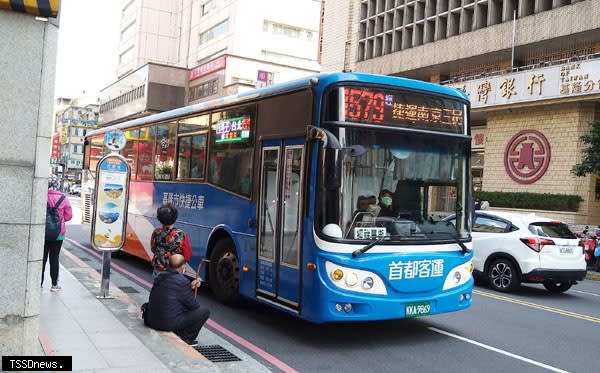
<point>394,184</point>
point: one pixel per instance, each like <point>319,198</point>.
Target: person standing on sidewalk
<point>167,240</point>
<point>52,245</point>
<point>172,305</point>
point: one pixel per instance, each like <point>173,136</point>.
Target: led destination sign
<point>233,129</point>
<point>402,109</point>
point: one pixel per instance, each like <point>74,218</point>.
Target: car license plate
<point>417,309</point>
<point>565,250</point>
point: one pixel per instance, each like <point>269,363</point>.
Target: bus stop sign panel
<point>110,214</point>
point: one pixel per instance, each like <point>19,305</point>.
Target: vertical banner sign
<point>109,223</point>
<point>261,78</point>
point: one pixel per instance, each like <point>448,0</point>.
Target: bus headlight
<point>337,275</point>
<point>458,275</point>
<point>351,279</point>
<point>369,282</point>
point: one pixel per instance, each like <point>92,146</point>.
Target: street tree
<point>590,163</point>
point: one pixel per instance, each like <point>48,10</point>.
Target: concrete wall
<point>27,68</point>
<point>340,35</point>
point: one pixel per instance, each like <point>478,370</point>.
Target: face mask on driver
<point>386,201</point>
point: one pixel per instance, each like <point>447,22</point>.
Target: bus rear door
<point>280,204</point>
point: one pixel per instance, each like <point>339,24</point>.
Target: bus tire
<point>224,273</point>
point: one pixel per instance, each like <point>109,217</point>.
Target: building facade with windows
<point>530,67</point>
<point>73,119</point>
<point>173,52</point>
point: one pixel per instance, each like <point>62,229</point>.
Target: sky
<point>87,51</point>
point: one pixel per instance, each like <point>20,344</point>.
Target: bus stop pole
<point>106,254</point>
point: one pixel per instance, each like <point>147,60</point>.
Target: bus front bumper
<point>342,306</point>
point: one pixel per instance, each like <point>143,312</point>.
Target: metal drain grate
<point>128,289</point>
<point>217,354</point>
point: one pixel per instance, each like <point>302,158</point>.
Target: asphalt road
<point>528,331</point>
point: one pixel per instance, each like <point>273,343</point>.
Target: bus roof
<point>320,81</point>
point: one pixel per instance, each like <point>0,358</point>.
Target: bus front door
<point>279,238</point>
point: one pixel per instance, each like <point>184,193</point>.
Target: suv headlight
<point>355,279</point>
<point>458,275</point>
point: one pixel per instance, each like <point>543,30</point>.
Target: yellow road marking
<point>538,306</point>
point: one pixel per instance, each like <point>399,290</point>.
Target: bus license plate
<point>418,309</point>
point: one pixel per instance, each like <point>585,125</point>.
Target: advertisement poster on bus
<point>110,216</point>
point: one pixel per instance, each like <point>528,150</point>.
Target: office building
<point>531,69</point>
<point>176,52</point>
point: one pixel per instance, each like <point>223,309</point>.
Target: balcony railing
<point>540,64</point>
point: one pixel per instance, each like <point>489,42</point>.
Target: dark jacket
<point>170,298</point>
<point>387,211</point>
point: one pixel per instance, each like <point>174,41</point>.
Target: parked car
<point>75,190</point>
<point>514,248</point>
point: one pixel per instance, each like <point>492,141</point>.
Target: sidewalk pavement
<point>592,275</point>
<point>109,336</point>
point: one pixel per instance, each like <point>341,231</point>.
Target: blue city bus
<point>322,197</point>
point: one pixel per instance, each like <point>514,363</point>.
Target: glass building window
<point>214,32</point>
<point>204,90</point>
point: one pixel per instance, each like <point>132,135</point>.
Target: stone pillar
<point>27,73</point>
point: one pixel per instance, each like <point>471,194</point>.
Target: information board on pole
<point>111,198</point>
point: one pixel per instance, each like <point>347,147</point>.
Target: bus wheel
<point>224,272</point>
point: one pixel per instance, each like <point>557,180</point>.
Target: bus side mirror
<point>321,134</point>
<point>332,155</point>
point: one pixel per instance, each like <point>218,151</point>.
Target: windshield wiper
<point>362,250</point>
<point>464,248</point>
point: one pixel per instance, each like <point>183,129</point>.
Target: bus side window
<point>190,159</point>
<point>232,170</point>
<point>143,148</point>
<point>232,150</point>
<point>164,154</point>
<point>130,150</point>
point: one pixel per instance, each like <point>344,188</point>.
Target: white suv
<point>510,248</point>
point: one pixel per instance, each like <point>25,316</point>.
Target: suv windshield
<point>395,184</point>
<point>551,229</point>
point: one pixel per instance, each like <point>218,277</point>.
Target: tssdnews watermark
<point>37,363</point>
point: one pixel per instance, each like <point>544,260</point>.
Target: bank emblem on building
<point>527,156</point>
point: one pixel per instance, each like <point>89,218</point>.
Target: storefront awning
<point>42,8</point>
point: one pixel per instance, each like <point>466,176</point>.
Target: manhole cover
<point>217,354</point>
<point>128,289</point>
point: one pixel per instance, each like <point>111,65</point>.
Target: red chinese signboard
<point>207,68</point>
<point>55,146</point>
